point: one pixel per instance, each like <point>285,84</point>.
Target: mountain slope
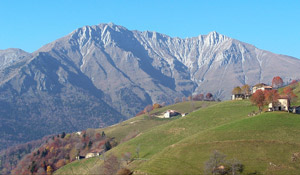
<point>153,67</point>
<point>257,141</point>
<point>11,56</point>
<point>264,143</point>
<point>159,138</point>
<point>106,73</point>
<point>46,97</point>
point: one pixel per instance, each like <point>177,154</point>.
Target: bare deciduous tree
<point>111,165</point>
<point>216,163</point>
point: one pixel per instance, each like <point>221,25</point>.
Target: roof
<point>171,111</point>
<point>268,87</point>
<point>97,150</point>
<point>283,97</point>
<point>260,85</point>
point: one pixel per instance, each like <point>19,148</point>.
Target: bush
<point>124,171</point>
<point>218,165</point>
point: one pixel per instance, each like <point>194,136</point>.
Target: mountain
<point>99,75</point>
<point>156,67</point>
<point>11,56</point>
<point>41,96</point>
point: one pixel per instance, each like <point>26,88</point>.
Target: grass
<point>132,127</point>
<point>83,166</point>
<point>140,124</point>
<point>297,92</point>
<point>160,137</point>
<point>256,141</point>
<point>263,143</point>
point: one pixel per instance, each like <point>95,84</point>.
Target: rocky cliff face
<point>39,96</point>
<point>105,72</point>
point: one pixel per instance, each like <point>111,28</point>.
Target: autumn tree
<point>124,171</point>
<point>271,96</point>
<point>258,98</point>
<point>111,165</point>
<point>198,97</point>
<point>294,84</point>
<point>277,82</point>
<point>41,171</point>
<point>209,96</point>
<point>98,136</point>
<point>156,105</point>
<point>148,109</point>
<point>60,163</point>
<point>236,90</point>
<point>49,170</point>
<point>289,92</point>
<point>201,97</point>
<point>246,89</point>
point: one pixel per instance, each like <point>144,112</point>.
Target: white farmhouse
<point>170,113</point>
<point>283,104</point>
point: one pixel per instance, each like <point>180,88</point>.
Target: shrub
<point>124,171</point>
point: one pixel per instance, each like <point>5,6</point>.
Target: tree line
<point>62,149</point>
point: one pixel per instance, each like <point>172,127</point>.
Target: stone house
<point>89,155</point>
<point>171,113</point>
<point>94,153</point>
<point>283,104</point>
<point>237,97</point>
<point>261,86</point>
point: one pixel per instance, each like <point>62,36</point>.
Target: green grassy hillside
<point>270,138</point>
<point>297,92</point>
<point>142,123</point>
<point>135,126</point>
<point>263,143</point>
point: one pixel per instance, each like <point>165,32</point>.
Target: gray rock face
<point>159,68</point>
<point>40,96</point>
<point>11,56</point>
<point>105,72</point>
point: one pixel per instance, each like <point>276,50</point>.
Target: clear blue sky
<point>272,25</point>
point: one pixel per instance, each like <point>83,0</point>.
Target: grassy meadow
<point>263,143</point>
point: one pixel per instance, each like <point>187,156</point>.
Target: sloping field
<point>263,143</point>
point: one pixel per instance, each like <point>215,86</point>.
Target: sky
<point>272,25</point>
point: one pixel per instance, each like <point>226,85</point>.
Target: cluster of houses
<point>283,100</point>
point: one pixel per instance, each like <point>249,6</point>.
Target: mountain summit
<point>99,75</point>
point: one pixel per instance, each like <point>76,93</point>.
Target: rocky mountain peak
<point>106,72</point>
<point>11,55</point>
<point>214,37</point>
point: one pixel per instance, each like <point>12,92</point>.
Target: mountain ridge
<point>109,68</point>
